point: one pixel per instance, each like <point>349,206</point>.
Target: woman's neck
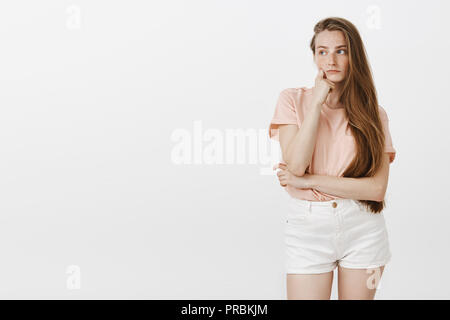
<point>332,99</point>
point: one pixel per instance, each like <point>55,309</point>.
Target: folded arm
<point>365,188</point>
<point>297,144</point>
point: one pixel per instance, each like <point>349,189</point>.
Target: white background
<point>91,93</point>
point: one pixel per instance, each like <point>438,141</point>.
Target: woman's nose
<point>331,59</point>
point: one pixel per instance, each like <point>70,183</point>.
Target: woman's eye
<point>343,51</point>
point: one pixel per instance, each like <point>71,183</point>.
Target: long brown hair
<point>360,101</point>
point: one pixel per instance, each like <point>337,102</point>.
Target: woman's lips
<point>333,71</point>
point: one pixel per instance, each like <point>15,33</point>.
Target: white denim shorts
<point>319,235</point>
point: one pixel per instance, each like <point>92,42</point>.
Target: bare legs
<point>309,286</point>
<point>357,284</point>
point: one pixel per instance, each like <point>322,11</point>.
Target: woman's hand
<point>287,178</point>
<point>322,87</point>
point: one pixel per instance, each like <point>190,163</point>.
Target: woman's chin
<point>336,80</point>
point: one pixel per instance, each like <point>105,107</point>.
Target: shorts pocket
<point>297,213</point>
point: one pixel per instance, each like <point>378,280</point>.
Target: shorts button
<point>334,204</point>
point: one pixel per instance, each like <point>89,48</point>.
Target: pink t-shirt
<point>335,145</point>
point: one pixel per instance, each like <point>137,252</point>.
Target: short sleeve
<point>284,113</point>
<point>388,148</point>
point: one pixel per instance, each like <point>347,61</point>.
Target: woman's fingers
<point>280,165</point>
<point>320,76</point>
<point>283,180</point>
<point>319,73</point>
<point>331,84</point>
<point>281,173</point>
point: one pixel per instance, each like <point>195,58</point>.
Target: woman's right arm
<point>297,144</point>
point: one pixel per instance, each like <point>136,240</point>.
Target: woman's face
<point>332,54</point>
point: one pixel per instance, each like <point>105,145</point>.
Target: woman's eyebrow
<point>341,46</point>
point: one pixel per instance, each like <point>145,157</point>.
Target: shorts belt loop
<point>309,207</point>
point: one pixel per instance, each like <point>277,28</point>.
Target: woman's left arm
<point>365,188</point>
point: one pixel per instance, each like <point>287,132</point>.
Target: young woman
<point>336,150</point>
